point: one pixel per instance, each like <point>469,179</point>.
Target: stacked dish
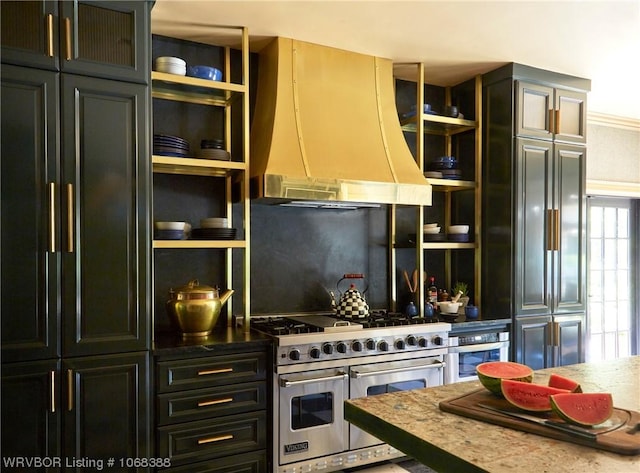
<point>214,222</point>
<point>431,232</point>
<point>213,149</point>
<point>167,145</point>
<point>169,230</point>
<point>213,233</point>
<point>171,65</point>
<point>458,232</point>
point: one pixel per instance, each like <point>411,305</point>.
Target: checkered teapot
<point>352,304</point>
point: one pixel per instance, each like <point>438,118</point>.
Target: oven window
<point>468,361</point>
<point>311,410</point>
<point>393,387</point>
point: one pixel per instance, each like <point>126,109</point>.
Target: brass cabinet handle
<point>556,227</point>
<point>52,217</point>
<point>549,243</point>
<point>53,391</point>
<point>69,390</point>
<point>50,35</point>
<point>67,37</point>
<point>218,371</point>
<point>70,218</point>
<point>215,401</point>
<point>557,120</point>
<point>215,439</point>
<point>552,125</point>
<point>555,334</point>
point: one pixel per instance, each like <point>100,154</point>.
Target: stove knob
<point>314,352</point>
<point>383,346</point>
<point>399,344</point>
<point>437,340</point>
<point>342,347</point>
<point>294,354</point>
<point>327,348</point>
<point>356,346</point>
<point>371,344</point>
<point>423,342</point>
<point>412,341</point>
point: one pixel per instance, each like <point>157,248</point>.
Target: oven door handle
<point>285,383</point>
<point>358,374</point>
<point>479,347</point>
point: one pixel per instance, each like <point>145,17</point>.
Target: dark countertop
<point>169,344</point>
<point>412,422</point>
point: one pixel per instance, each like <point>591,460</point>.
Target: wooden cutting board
<point>620,434</point>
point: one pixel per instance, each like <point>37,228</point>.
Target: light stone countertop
<point>412,422</point>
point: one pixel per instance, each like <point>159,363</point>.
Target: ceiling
<point>598,40</point>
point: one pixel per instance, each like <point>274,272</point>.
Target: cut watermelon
<point>557,381</point>
<point>585,409</point>
<point>491,372</point>
<point>529,396</point>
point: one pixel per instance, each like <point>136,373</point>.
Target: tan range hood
<point>326,132</point>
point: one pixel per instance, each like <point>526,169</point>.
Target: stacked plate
<point>171,65</point>
<point>213,234</point>
<point>213,149</point>
<point>214,222</point>
<point>167,145</point>
<point>170,230</point>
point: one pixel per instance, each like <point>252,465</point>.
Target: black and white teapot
<point>352,304</point>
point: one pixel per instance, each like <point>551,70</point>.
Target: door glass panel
<point>105,35</point>
<point>23,25</point>
<point>312,410</point>
<point>467,362</point>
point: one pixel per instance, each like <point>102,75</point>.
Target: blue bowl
<point>205,72</point>
<point>443,162</point>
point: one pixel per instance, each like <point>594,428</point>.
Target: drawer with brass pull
<point>194,373</point>
<point>198,404</point>
<point>203,440</point>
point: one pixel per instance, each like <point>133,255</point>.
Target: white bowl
<point>170,225</point>
<point>429,225</point>
<point>458,229</point>
<point>448,307</point>
<point>431,230</point>
<point>171,60</point>
<point>172,69</point>
<point>214,222</point>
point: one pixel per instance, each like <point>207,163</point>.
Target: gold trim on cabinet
<point>67,37</point>
<point>550,234</point>
<point>217,371</point>
<point>69,390</point>
<point>215,439</point>
<point>50,35</point>
<point>214,402</point>
<point>70,218</point>
<point>53,391</point>
<point>556,225</point>
<point>52,217</point>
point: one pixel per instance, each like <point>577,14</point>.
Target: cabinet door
<point>568,339</point>
<point>105,236</point>
<point>570,255</point>
<point>29,33</point>
<point>534,110</point>
<point>107,407</point>
<point>30,264</point>
<point>533,342</point>
<point>533,260</point>
<point>30,411</point>
<point>106,39</point>
<point>571,116</point>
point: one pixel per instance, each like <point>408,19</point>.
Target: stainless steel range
<point>321,361</point>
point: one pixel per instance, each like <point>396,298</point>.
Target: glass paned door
<point>611,266</point>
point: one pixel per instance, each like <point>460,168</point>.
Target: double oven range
<point>321,361</point>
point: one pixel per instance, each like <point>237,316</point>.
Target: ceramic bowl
<point>170,226</point>
<point>448,307</point>
<point>205,72</point>
<point>457,229</point>
<point>431,230</point>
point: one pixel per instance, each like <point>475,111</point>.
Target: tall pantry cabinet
<point>534,211</point>
<point>75,229</point>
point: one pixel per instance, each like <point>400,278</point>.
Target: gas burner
<point>278,326</point>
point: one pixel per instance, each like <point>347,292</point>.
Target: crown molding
<point>613,188</point>
<point>595,118</point>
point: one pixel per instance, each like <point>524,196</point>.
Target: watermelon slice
<point>529,396</point>
<point>585,409</point>
<point>557,381</point>
<point>492,372</point>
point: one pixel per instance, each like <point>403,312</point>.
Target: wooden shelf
<point>439,125</point>
<point>194,90</point>
<point>195,166</point>
<point>220,244</point>
<point>451,185</point>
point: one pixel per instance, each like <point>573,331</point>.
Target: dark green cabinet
<point>95,38</point>
<point>534,210</point>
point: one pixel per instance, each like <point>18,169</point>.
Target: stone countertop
<point>170,344</point>
<point>412,422</point>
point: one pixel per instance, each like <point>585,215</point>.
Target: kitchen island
<point>413,422</point>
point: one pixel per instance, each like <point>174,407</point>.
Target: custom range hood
<point>325,131</point>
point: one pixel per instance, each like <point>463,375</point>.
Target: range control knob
<point>314,352</point>
<point>342,347</point>
<point>370,344</point>
<point>383,346</point>
<point>399,344</point>
<point>437,340</point>
<point>423,342</point>
<point>294,354</point>
<point>327,348</point>
<point>356,345</point>
<point>412,341</point>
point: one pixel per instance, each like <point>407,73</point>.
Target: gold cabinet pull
<point>215,439</point>
<point>215,401</point>
<point>70,218</point>
<point>52,217</point>
<point>67,37</point>
<point>549,243</point>
<point>557,121</point>
<point>556,228</point>
<point>69,390</point>
<point>53,391</point>
<point>555,334</point>
<point>50,35</point>
<point>218,371</point>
